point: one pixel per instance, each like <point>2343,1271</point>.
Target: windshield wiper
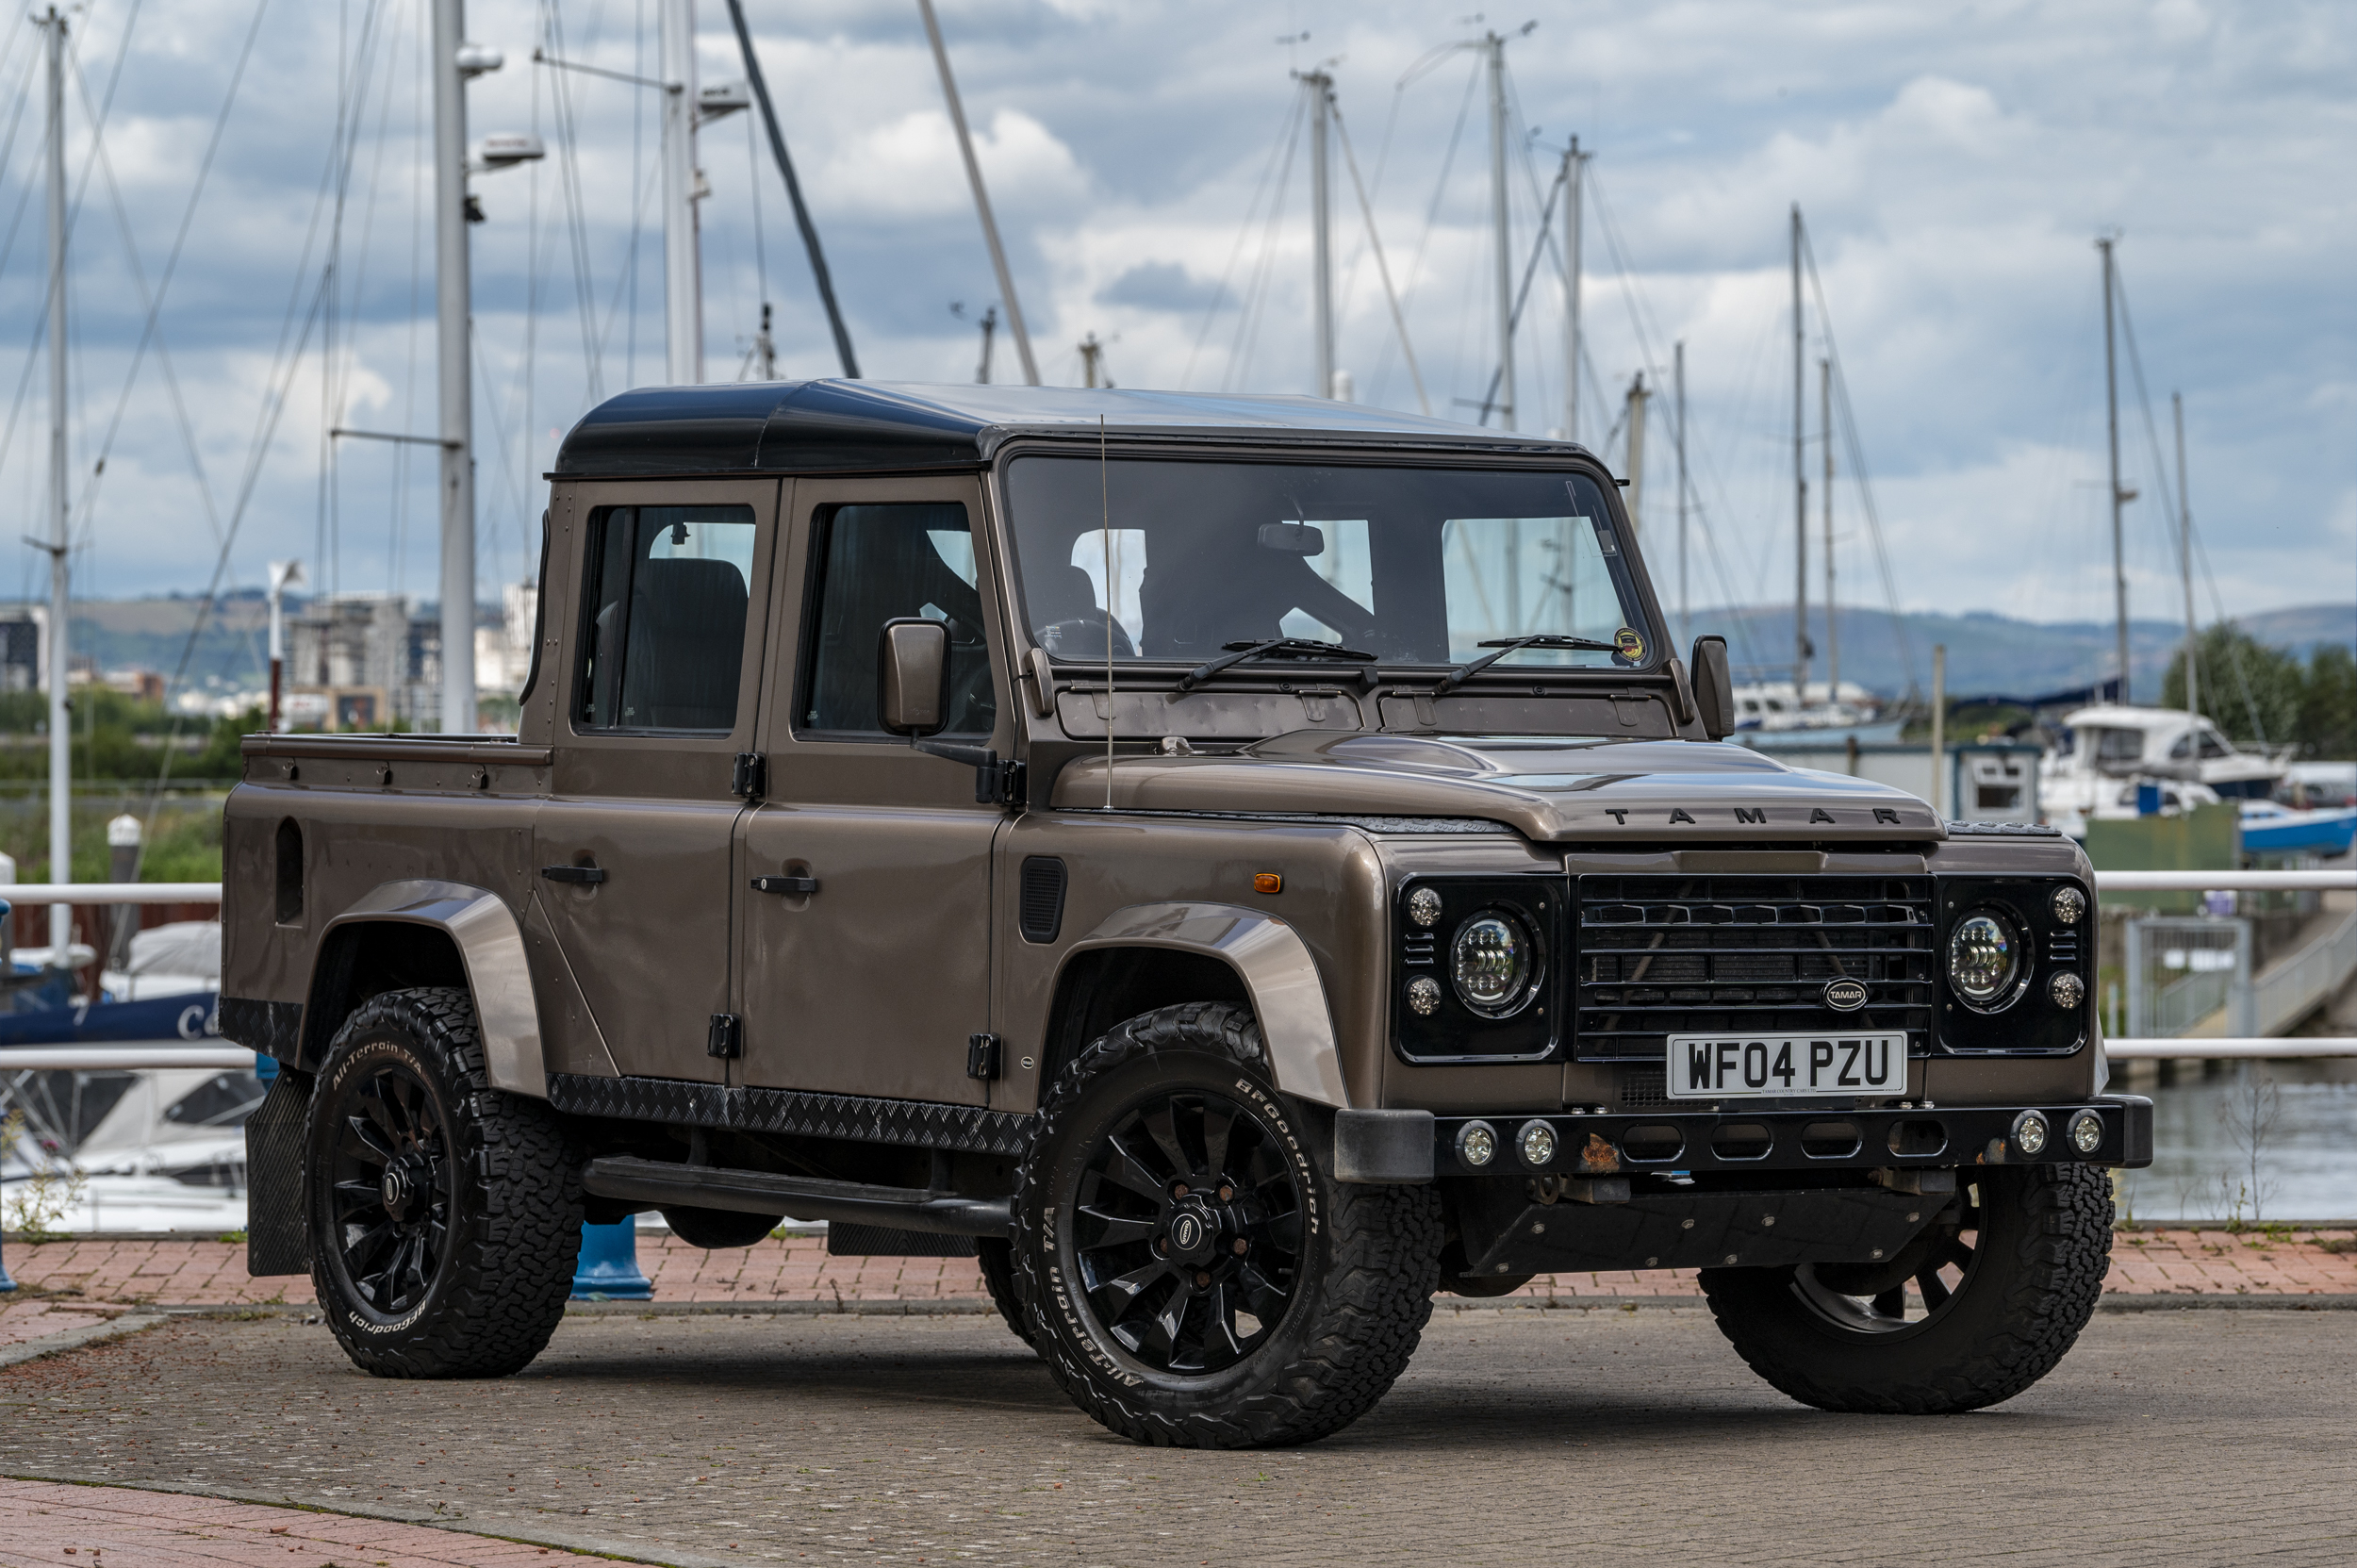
<point>1275,647</point>
<point>1508,644</point>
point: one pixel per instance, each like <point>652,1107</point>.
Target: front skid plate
<point>1505,1234</point>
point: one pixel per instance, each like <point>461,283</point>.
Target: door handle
<point>590,875</point>
<point>786,884</point>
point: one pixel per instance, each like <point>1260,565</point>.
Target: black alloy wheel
<point>1184,1261</point>
<point>1875,1299</point>
<point>391,1192</point>
<point>443,1215</point>
<point>1983,1302</point>
<point>1187,1232</point>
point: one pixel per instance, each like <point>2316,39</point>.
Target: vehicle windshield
<point>1416,566</point>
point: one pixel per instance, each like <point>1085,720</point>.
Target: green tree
<point>2252,692</point>
<point>2328,705</point>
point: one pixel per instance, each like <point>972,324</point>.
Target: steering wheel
<point>1082,637</point>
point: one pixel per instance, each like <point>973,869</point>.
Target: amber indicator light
<point>1267,882</point>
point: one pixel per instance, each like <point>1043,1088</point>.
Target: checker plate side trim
<point>920,1124</point>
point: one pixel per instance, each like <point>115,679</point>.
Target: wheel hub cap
<point>400,1191</point>
<point>1193,1233</point>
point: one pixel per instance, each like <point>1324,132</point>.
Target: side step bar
<point>661,1183</point>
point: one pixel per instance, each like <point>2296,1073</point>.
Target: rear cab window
<point>664,601</point>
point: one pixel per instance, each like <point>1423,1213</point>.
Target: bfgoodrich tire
<point>2004,1282</point>
<point>445,1216</point>
<point>1190,1272</point>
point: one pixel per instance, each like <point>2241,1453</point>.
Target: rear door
<point>670,597</point>
<point>873,983</point>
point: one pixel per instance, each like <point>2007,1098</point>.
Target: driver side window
<point>883,562</point>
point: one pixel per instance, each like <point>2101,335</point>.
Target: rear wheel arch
<point>408,934</point>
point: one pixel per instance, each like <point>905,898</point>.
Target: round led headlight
<point>2086,1132</point>
<point>2070,903</point>
<point>2028,1133</point>
<point>1491,961</point>
<point>1984,960</point>
<point>1477,1144</point>
<point>1424,996</point>
<point>2067,990</point>
<point>1537,1142</point>
<point>1423,906</point>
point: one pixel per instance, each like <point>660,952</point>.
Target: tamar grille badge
<point>1846,996</point>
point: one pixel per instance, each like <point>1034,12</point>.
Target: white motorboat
<point>2103,753</point>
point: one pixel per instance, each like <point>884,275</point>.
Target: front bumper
<point>1417,1146</point>
<point>1693,1141</point>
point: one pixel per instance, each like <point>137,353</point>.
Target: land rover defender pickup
<point>1236,865</point>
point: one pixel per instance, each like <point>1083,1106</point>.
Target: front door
<point>873,983</point>
<point>668,589</point>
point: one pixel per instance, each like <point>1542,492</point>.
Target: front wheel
<point>1189,1268</point>
<point>1982,1304</point>
<point>445,1216</point>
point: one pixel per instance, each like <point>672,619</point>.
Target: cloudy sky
<point>1956,163</point>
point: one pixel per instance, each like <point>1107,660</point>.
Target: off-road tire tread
<point>512,1261</point>
<point>2051,1284</point>
<point>1375,1302</point>
<point>997,1265</point>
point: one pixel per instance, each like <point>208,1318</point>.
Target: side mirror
<point>1714,686</point>
<point>912,676</point>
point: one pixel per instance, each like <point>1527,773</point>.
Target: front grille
<point>1660,955</point>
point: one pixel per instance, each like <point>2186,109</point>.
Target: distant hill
<point>1986,652</point>
<point>1993,654</point>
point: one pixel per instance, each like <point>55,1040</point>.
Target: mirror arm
<point>996,780</point>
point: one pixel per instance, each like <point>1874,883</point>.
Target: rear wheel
<point>1189,1269</point>
<point>997,1260</point>
<point>1982,1304</point>
<point>445,1216</point>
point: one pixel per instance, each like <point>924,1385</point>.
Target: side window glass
<point>882,563</point>
<point>663,631</point>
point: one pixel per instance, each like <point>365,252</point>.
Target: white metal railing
<point>110,892</point>
<point>120,1058</point>
<point>2208,882</point>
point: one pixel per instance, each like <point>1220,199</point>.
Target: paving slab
<point>101,1272</point>
<point>2185,1436</point>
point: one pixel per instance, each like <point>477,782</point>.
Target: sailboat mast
<point>1016,328</point>
<point>1572,159</point>
<point>454,386</point>
<point>2120,497</point>
<point>683,281</point>
<point>1686,605</point>
<point>60,585</point>
<point>1833,626</point>
<point>1321,90</point>
<point>2184,561</point>
<point>1800,480</point>
<point>1505,281</point>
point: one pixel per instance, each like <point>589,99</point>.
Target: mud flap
<point>276,1239</point>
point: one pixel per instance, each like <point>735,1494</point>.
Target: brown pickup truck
<point>1237,866</point>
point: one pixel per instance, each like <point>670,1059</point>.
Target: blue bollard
<point>608,1269</point>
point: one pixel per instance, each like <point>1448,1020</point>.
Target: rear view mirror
<point>912,676</point>
<point>1714,686</point>
<point>1293,538</point>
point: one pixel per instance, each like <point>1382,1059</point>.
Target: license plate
<point>1721,1066</point>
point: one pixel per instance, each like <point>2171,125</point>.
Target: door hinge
<point>727,1039</point>
<point>749,779</point>
<point>982,1056</point>
<point>998,782</point>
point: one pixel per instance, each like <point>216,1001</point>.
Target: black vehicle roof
<point>822,426</point>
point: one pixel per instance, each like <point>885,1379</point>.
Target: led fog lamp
<point>2086,1132</point>
<point>1490,962</point>
<point>1537,1142</point>
<point>2028,1133</point>
<point>1477,1144</point>
<point>1984,956</point>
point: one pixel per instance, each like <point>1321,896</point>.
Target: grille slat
<point>1661,955</point>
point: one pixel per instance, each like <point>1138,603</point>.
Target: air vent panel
<point>1040,911</point>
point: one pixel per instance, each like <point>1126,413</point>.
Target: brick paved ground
<point>1632,1436</point>
<point>106,1271</point>
<point>47,1523</point>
